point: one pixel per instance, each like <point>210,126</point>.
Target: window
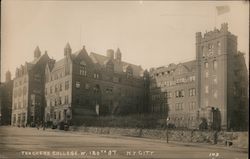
<point>129,72</point>
<point>56,88</point>
<point>206,74</point>
<point>191,105</point>
<point>60,101</point>
<point>192,78</point>
<point>66,85</point>
<point>109,90</point>
<point>60,87</point>
<point>96,75</point>
<point>215,94</point>
<point>219,48</point>
<point>210,47</point>
<point>180,93</point>
<point>215,80</point>
<point>214,64</point>
<point>206,89</point>
<point>78,84</point>
<point>51,89</point>
<point>179,106</point>
<point>192,92</point>
<point>203,51</point>
<point>66,99</point>
<point>59,115</point>
<point>206,65</point>
<point>83,70</point>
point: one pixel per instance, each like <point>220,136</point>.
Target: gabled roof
<point>118,65</point>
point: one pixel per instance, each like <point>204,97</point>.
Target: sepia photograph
<point>124,79</point>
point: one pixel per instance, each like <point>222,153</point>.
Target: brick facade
<point>208,92</point>
<point>82,85</point>
<point>217,94</point>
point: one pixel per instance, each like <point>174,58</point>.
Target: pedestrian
<point>215,137</point>
<point>37,126</point>
<point>43,125</point>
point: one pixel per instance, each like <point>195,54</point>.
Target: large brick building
<point>83,84</point>
<point>211,89</point>
<point>28,91</point>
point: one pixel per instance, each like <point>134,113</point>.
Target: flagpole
<point>215,17</point>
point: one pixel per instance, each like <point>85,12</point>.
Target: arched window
<point>215,64</point>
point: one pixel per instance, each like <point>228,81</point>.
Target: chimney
<point>110,54</point>
<point>37,53</point>
<point>7,76</point>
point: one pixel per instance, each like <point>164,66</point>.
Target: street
<point>32,143</point>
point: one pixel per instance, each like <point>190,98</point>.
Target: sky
<point>148,33</point>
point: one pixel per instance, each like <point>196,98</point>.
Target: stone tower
<point>67,50</point>
<point>118,55</point>
<point>216,54</point>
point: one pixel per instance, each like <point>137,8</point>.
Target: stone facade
<point>209,91</point>
<point>82,85</point>
<point>28,91</point>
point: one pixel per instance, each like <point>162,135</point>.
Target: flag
<point>222,9</point>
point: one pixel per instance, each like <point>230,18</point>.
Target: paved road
<point>33,143</point>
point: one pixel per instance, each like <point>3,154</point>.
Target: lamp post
<point>167,127</point>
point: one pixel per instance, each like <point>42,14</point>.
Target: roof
<point>118,65</point>
<point>58,64</point>
<point>189,65</point>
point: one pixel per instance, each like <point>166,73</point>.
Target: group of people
<point>42,125</point>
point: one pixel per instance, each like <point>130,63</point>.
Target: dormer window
<point>129,72</point>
